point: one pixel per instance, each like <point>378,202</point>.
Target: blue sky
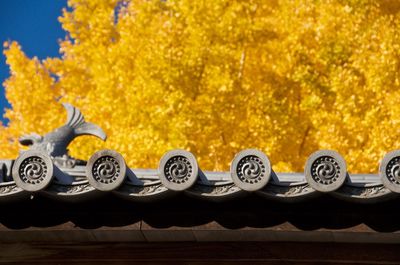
<point>34,25</point>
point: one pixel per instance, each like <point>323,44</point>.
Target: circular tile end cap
<point>33,170</point>
<point>325,170</point>
<point>106,170</point>
<point>389,171</point>
<point>178,170</point>
<point>251,170</point>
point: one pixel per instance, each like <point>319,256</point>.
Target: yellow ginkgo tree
<point>215,77</point>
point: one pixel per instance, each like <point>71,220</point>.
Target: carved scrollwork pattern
<point>142,191</point>
<point>216,192</point>
<point>363,192</point>
<point>74,189</point>
<point>369,194</point>
<point>211,191</point>
<point>296,192</point>
<point>9,189</point>
<point>151,190</point>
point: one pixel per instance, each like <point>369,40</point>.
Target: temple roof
<point>48,196</point>
<point>36,173</point>
<point>47,169</point>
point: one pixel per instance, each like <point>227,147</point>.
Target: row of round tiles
<point>251,170</point>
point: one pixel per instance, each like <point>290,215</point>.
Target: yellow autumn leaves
<point>215,77</point>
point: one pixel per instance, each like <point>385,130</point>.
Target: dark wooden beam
<point>199,253</point>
